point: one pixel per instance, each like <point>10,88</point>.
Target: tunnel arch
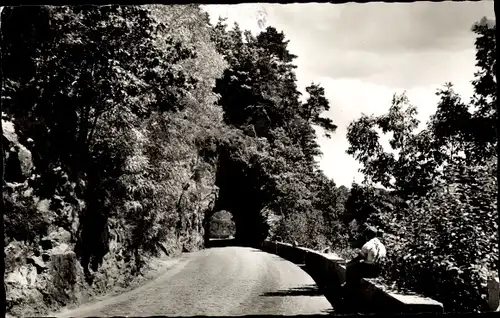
<point>239,192</point>
<point>250,227</point>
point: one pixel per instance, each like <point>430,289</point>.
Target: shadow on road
<point>306,290</point>
<point>332,291</point>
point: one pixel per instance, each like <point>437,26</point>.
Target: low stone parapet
<point>494,293</point>
<point>377,298</point>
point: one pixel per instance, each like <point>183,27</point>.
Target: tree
<point>450,125</point>
<point>485,117</point>
<point>88,115</point>
<point>315,105</point>
<point>471,128</point>
<point>222,224</point>
<point>167,176</point>
<point>411,171</point>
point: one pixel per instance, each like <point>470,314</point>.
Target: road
<point>219,281</point>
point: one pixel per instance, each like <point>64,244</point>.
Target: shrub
<point>451,240</point>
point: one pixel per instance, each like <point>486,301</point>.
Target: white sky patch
<point>245,14</point>
<point>364,53</point>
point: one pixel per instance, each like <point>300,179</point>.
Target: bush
<point>451,240</point>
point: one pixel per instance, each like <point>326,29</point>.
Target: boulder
<point>32,276</point>
<point>66,277</point>
<point>38,263</point>
<point>25,275</point>
<point>9,131</point>
<point>24,289</point>
<point>25,160</point>
<point>22,159</point>
<point>24,301</point>
<point>162,249</point>
<point>43,206</point>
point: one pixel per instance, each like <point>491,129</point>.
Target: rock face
<point>40,284</point>
<point>41,273</point>
<point>21,287</point>
<point>60,236</point>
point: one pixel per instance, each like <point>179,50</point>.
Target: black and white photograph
<point>253,158</point>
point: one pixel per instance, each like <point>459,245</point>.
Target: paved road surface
<point>219,281</point>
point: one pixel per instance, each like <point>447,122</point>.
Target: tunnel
<point>234,228</point>
<point>240,194</point>
<point>250,227</point>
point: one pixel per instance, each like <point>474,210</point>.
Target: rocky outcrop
<point>42,270</point>
<point>38,283</point>
<point>18,159</point>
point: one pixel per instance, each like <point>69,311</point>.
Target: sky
<point>364,53</point>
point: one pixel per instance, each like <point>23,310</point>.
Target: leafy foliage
<point>411,171</point>
<point>485,117</point>
<point>450,240</point>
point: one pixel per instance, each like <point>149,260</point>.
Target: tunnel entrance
<point>226,228</point>
<point>240,195</point>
